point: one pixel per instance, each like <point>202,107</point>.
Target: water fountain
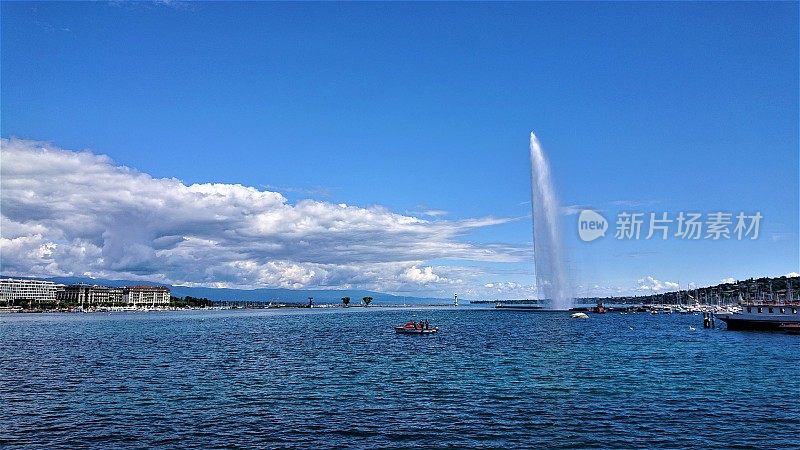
<point>552,281</point>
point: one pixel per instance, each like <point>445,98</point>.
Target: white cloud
<point>592,289</point>
<point>76,213</point>
<point>792,275</point>
<point>507,286</point>
<point>650,284</point>
<point>505,290</point>
<point>728,280</point>
<point>424,275</point>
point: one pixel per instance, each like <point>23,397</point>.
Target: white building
<point>14,291</point>
<point>146,296</point>
<point>85,295</point>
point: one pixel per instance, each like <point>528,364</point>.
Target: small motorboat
<point>580,315</point>
<point>411,327</point>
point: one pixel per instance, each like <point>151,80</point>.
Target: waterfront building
<point>146,296</point>
<point>85,295</point>
<point>92,295</point>
<point>13,291</point>
<point>35,293</point>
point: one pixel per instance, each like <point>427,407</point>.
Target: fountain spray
<point>551,275</point>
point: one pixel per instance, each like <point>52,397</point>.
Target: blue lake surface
<point>342,378</point>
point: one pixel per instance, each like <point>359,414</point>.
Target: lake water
<point>342,378</point>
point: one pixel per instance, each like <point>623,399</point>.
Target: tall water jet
<point>552,281</point>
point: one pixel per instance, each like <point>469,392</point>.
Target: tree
<point>346,301</point>
<point>367,300</point>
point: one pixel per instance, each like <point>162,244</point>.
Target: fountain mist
<point>551,274</point>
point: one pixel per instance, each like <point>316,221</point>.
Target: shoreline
<point>21,310</point>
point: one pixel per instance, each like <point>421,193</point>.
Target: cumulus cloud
<point>650,284</point>
<point>792,275</point>
<point>729,280</point>
<point>77,213</point>
<point>423,275</point>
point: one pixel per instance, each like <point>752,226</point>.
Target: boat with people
<point>412,327</point>
<point>777,316</point>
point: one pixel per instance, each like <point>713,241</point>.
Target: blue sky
<point>415,108</point>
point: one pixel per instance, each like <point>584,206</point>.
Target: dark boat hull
<point>755,325</point>
<point>736,322</point>
<point>791,328</point>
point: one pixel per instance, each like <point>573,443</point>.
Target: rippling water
<point>343,378</point>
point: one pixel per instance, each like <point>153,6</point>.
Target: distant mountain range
<point>258,295</point>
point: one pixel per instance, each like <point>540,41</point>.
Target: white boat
<point>763,316</point>
<point>579,315</point>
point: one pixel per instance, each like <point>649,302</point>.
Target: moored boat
<point>763,316</point>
